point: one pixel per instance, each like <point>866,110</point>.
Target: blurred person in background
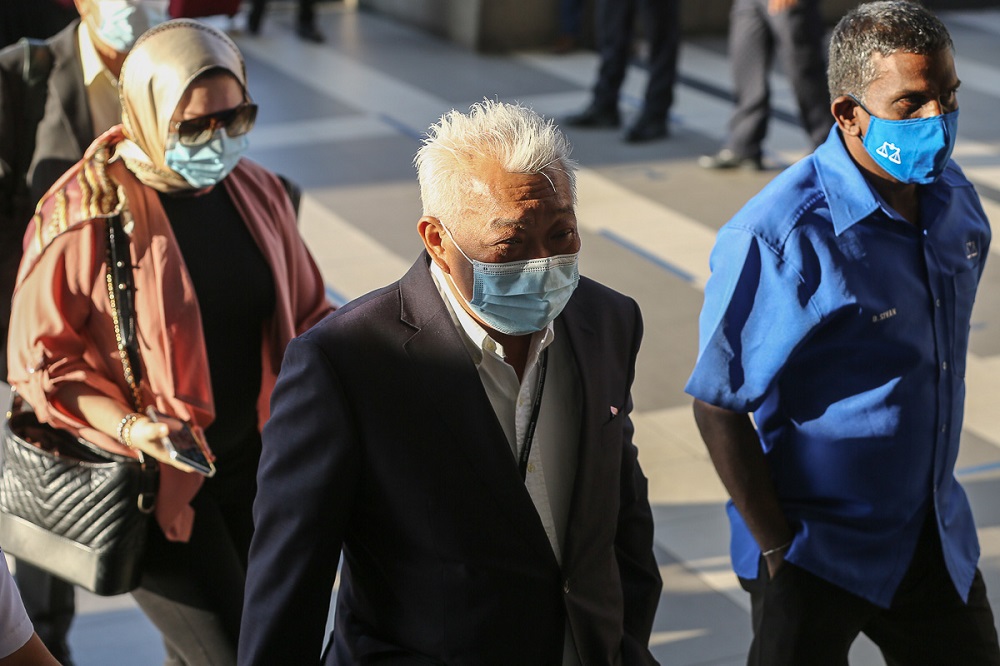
<point>46,123</point>
<point>38,20</point>
<point>19,644</point>
<point>615,24</point>
<point>759,30</point>
<point>222,283</point>
<point>305,22</point>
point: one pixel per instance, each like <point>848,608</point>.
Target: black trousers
<point>307,12</point>
<point>51,603</point>
<point>193,592</point>
<point>615,21</point>
<point>796,35</point>
<point>799,618</point>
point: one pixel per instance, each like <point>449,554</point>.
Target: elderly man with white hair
<point>462,438</point>
<point>50,111</point>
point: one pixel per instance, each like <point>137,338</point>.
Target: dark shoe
<point>647,129</point>
<point>595,116</point>
<point>727,159</point>
<point>311,34</point>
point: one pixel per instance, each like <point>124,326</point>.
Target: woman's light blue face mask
<point>916,150</point>
<point>119,23</point>
<point>207,164</point>
<point>521,297</point>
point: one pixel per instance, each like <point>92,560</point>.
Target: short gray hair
<point>510,135</point>
<point>883,27</point>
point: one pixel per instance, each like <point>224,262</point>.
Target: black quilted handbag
<point>66,505</point>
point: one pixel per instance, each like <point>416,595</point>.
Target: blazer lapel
<point>443,363</point>
<point>67,88</point>
<point>589,481</point>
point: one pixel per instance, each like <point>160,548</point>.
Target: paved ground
<point>344,120</point>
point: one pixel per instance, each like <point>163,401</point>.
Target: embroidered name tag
<point>882,316</point>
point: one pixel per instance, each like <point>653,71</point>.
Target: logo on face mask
<point>521,297</point>
<point>890,152</point>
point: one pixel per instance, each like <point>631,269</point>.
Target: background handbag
<point>66,505</point>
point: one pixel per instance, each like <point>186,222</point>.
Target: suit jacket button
<point>566,586</point>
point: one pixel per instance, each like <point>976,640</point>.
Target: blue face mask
<point>119,23</point>
<point>912,151</point>
<point>207,164</point>
<point>521,297</point>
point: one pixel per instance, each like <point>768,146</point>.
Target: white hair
<point>509,135</point>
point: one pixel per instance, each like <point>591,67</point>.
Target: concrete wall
<point>505,25</point>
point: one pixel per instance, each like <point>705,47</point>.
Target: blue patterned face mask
<point>206,164</point>
<point>912,151</point>
<point>521,297</point>
<point>119,23</point>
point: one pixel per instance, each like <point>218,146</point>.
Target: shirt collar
<point>479,341</point>
<point>90,61</point>
<point>848,193</point>
<point>850,196</point>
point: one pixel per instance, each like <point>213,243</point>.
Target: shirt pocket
<point>963,297</point>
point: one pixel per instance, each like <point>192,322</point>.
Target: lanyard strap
<point>529,436</point>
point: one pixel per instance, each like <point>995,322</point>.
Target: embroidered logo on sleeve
<point>882,316</point>
<point>890,152</point>
<point>971,249</point>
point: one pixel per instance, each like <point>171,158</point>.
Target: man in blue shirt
<point>838,313</point>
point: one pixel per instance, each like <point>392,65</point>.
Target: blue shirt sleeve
<point>757,310</point>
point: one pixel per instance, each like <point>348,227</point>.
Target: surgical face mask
<point>207,164</point>
<point>912,151</point>
<point>119,23</point>
<point>521,297</point>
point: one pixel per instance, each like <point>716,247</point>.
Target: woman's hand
<point>146,434</point>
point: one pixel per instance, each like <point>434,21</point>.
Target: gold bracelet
<point>125,428</point>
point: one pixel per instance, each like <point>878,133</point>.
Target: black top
<point>236,295</point>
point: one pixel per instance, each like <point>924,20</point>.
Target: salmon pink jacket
<point>61,324</point>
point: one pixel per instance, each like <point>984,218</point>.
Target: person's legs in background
<point>570,25</point>
<point>256,16</point>
<point>50,603</point>
<point>799,34</point>
<point>305,23</point>
<point>663,31</point>
<point>307,29</point>
<point>751,47</point>
<point>614,20</point>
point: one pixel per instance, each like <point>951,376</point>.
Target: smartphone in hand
<point>183,447</point>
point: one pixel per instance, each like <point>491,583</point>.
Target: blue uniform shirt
<point>844,329</point>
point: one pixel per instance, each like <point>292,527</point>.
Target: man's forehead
<point>902,66</point>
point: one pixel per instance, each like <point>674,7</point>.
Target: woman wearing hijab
<point>222,283</point>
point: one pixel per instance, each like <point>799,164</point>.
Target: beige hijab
<point>155,75</point>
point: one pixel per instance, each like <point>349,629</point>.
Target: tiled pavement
<point>344,120</point>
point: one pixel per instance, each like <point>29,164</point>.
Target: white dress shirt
<point>102,87</point>
<point>554,451</point>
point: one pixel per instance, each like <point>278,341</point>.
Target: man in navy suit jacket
<point>463,438</point>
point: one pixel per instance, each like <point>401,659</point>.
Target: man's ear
<point>432,233</point>
<point>845,111</point>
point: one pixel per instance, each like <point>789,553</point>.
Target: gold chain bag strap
<point>67,505</point>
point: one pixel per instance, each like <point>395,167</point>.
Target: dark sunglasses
<point>196,131</point>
